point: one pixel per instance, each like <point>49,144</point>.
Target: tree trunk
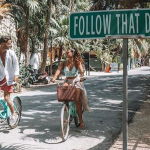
<point>46,37</point>
<point>33,44</point>
<point>60,53</point>
<point>26,46</point>
<point>71,5</point>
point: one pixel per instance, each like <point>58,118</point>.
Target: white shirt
<point>34,61</point>
<point>11,68</point>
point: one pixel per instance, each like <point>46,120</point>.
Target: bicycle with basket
<point>66,94</point>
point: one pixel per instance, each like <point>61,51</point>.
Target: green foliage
<point>106,50</point>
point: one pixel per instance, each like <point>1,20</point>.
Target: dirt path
<point>138,130</point>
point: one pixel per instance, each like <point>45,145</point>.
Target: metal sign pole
<point>125,94</point>
<point>89,65</point>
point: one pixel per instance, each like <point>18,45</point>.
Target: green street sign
<point>131,23</point>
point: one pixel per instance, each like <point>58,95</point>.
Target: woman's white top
<point>70,73</point>
<point>11,68</point>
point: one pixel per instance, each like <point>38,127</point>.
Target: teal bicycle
<point>5,112</point>
<point>68,113</point>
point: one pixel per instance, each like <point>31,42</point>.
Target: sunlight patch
<point>106,90</point>
<point>112,101</point>
<point>85,142</point>
<point>41,112</point>
<point>38,93</point>
<point>31,131</point>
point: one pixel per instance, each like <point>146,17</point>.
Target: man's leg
<point>9,102</point>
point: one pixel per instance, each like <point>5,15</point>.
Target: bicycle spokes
<point>64,122</point>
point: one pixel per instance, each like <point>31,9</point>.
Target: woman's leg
<point>79,107</point>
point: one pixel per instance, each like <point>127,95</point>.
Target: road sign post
<point>132,23</point>
<point>125,94</point>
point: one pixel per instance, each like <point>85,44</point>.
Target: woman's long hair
<point>77,57</point>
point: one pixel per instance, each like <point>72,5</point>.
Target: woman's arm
<point>80,68</point>
<point>60,67</point>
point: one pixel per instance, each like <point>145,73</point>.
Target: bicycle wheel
<point>76,121</point>
<point>64,129</point>
<point>2,111</point>
<point>18,109</point>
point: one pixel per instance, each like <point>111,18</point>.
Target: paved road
<point>39,128</point>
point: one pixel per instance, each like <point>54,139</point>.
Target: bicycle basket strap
<point>66,93</point>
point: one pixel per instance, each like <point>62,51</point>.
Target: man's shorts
<point>5,87</point>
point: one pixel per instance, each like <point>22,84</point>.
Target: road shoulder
<point>138,130</point>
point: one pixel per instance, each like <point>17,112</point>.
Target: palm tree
<point>46,35</point>
<point>117,4</point>
<point>138,47</point>
<point>4,10</point>
<point>22,12</point>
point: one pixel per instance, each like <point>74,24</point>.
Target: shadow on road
<point>41,112</point>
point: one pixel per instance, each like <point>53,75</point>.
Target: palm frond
<point>55,23</point>
<point>4,9</point>
<point>33,5</point>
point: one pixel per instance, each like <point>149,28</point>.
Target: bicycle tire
<point>2,112</point>
<point>76,121</point>
<point>65,117</point>
<point>18,109</point>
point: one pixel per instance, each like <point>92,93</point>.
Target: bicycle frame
<point>68,113</point>
<point>6,113</point>
<point>72,109</point>
<point>72,106</point>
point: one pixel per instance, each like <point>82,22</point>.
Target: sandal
<point>82,125</point>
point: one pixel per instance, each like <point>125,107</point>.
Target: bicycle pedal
<point>2,120</point>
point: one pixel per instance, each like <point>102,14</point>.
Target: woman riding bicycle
<point>71,67</point>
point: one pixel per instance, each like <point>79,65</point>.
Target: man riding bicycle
<point>9,71</point>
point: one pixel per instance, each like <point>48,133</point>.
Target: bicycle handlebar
<point>74,82</point>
